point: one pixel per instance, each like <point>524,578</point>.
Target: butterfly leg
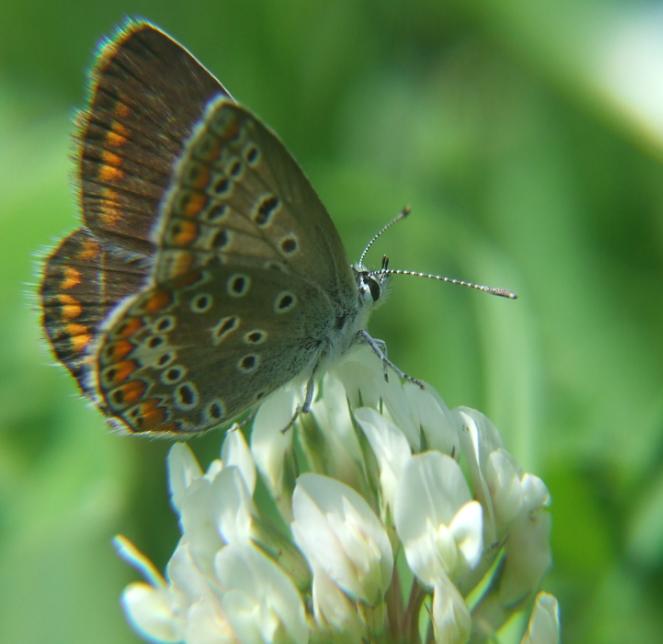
<point>380,349</point>
<point>305,407</point>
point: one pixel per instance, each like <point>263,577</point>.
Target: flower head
<point>403,518</point>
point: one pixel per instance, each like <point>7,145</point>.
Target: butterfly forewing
<point>240,198</point>
<point>198,350</point>
<point>148,93</point>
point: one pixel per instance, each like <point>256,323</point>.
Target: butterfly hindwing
<point>198,350</point>
<point>81,284</point>
<point>147,94</point>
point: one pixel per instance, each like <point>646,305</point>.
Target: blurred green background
<point>528,138</point>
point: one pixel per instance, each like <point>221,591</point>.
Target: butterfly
<point>207,272</point>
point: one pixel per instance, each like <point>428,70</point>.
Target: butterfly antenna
<point>501,292</point>
<point>401,215</point>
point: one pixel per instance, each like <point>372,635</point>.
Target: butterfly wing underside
<point>186,198</point>
<point>198,350</point>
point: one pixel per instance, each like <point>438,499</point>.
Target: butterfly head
<point>372,285</point>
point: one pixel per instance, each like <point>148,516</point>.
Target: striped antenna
<point>501,292</point>
<point>399,217</point>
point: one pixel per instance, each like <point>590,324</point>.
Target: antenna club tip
<point>508,294</point>
<point>407,209</point>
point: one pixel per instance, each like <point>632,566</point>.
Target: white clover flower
<point>405,521</point>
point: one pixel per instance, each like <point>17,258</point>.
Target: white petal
<point>389,446</point>
<point>479,438</point>
<point>258,593</point>
<point>431,493</point>
<point>236,452</point>
<point>332,609</point>
<point>269,443</point>
<point>543,626</point>
<point>134,557</point>
<point>339,443</point>
<point>535,493</point>
<point>433,417</point>
<point>187,580</point>
<point>150,613</point>
<point>527,557</point>
<point>206,624</point>
<point>451,618</point>
<point>183,469</point>
<point>505,487</point>
<point>233,511</point>
<point>466,528</point>
<point>362,374</point>
<point>337,531</point>
<point>198,509</point>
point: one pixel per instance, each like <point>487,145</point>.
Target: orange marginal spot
<point>110,211</point>
<point>79,335</point>
<point>130,327</point>
<point>119,350</point>
<point>70,306</point>
<point>71,277</point>
<point>110,158</point>
<point>118,135</point>
<point>202,179</point>
<point>181,263</point>
<point>151,414</point>
<point>122,110</point>
<point>122,370</point>
<point>231,131</point>
<point>110,173</point>
<point>157,301</point>
<point>89,250</point>
<point>185,232</point>
<point>195,203</point>
<point>131,391</point>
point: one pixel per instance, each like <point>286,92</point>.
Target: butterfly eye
<point>374,288</point>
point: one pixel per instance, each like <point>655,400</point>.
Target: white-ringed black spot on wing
<point>251,154</point>
<point>215,410</point>
<point>165,323</point>
<point>257,336</point>
<point>172,375</point>
<point>235,168</point>
<point>248,363</point>
<point>289,245</point>
<point>165,359</point>
<point>201,303</point>
<point>221,238</point>
<point>224,327</point>
<point>284,302</point>
<point>222,186</point>
<point>265,209</point>
<point>154,342</point>
<point>186,396</point>
<point>216,213</point>
<point>238,284</point>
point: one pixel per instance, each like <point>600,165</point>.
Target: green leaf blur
<point>528,139</point>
